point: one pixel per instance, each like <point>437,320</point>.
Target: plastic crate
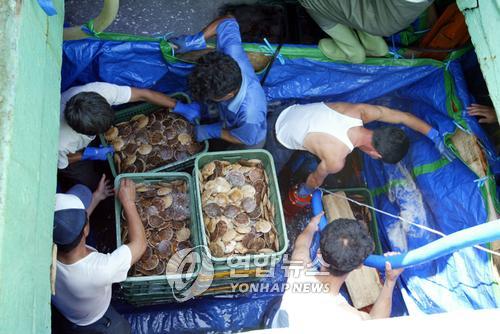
<point>368,199</point>
<point>151,287</point>
<point>146,108</point>
<point>251,261</point>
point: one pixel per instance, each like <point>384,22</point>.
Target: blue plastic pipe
<point>317,207</point>
<point>471,236</point>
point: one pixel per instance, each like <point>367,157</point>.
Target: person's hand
<point>314,222</point>
<point>485,114</point>
<point>208,131</point>
<point>190,111</point>
<point>126,194</point>
<point>391,275</point>
<point>97,153</point>
<point>186,43</point>
<point>439,144</point>
<point>104,189</point>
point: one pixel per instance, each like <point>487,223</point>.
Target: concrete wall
<point>483,21</point>
<point>30,62</point>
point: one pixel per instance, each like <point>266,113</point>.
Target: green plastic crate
<point>251,261</point>
<point>151,287</point>
<point>368,199</point>
<point>146,108</point>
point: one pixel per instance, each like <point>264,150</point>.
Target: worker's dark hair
<point>215,76</point>
<point>89,113</point>
<point>391,142</point>
<point>344,245</point>
<point>72,245</point>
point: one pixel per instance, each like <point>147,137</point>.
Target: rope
<point>404,220</point>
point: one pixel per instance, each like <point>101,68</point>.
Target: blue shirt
<point>245,114</point>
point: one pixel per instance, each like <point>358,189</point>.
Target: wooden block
<point>362,284</point>
<point>336,207</point>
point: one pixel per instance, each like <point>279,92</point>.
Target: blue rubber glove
<point>304,190</point>
<point>97,153</point>
<point>439,143</point>
<point>190,111</point>
<point>208,131</point>
<point>186,43</point>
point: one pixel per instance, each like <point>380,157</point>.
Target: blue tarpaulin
<point>424,188</point>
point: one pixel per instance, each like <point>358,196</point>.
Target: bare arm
<point>152,97</point>
<point>74,157</point>
<point>370,113</point>
<point>383,305</point>
<point>136,235</point>
<point>316,178</point>
<point>211,30</point>
<point>103,191</point>
<point>304,240</point>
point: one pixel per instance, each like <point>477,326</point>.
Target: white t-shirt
<point>306,300</point>
<point>83,289</point>
<point>71,141</point>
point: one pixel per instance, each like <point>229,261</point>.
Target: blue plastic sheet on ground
<point>423,188</point>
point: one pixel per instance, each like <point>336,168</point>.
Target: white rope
<point>423,227</point>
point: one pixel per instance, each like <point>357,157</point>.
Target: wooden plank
<point>362,284</point>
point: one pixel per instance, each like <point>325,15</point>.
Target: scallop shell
<point>249,204</point>
<point>217,248</point>
<point>221,185</point>
<point>212,210</point>
<point>151,263</point>
<point>155,221</point>
<point>248,191</point>
<point>164,249</point>
<point>243,229</point>
<point>263,226</point>
<point>208,170</point>
<point>155,138</point>
<point>241,219</point>
<point>235,178</point>
<point>170,133</point>
<point>184,138</point>
<point>145,149</point>
<point>235,195</point>
<point>183,234</point>
<point>129,160</point>
<point>166,233</point>
<point>231,211</point>
<point>118,144</point>
<point>141,121</point>
<point>164,190</point>
<point>167,201</point>
<point>229,235</point>
<point>111,134</point>
<point>222,199</point>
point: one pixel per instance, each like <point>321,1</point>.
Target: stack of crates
<point>227,272</point>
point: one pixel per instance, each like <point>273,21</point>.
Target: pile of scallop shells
<point>237,212</point>
<point>148,142</point>
<point>164,208</point>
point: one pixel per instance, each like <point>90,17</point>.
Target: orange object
<point>449,32</point>
<point>295,203</point>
